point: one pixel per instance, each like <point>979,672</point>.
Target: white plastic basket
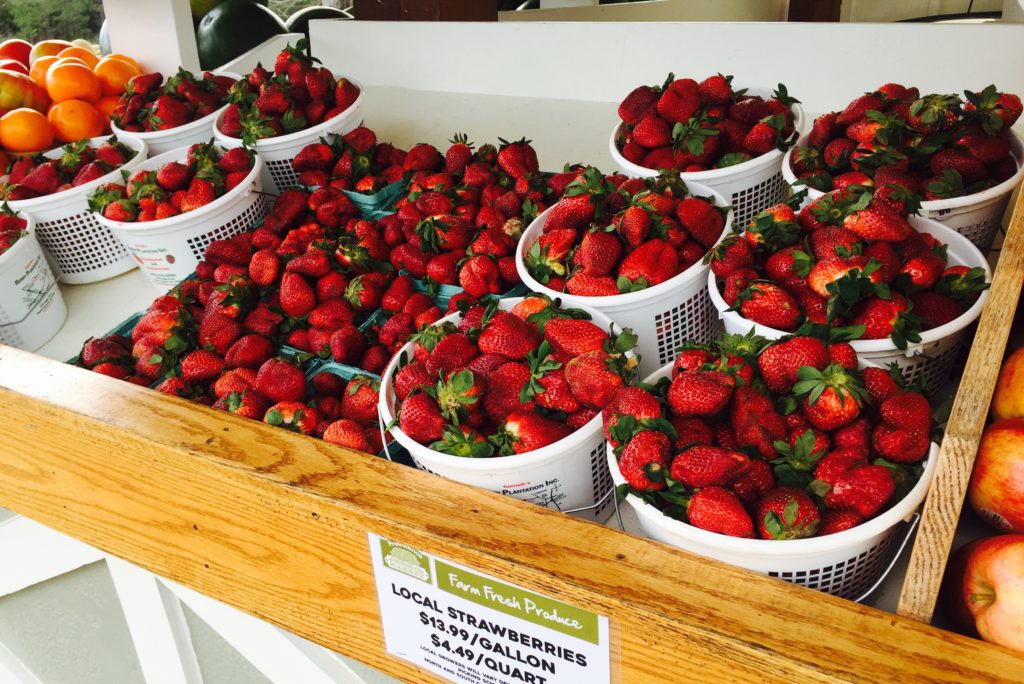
<point>31,307</point>
<point>80,249</point>
<point>750,187</point>
<point>570,475</point>
<point>977,217</point>
<point>168,250</point>
<point>193,132</point>
<point>279,151</point>
<point>933,357</point>
<point>663,316</point>
<point>847,564</point>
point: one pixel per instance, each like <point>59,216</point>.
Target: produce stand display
<point>277,524</point>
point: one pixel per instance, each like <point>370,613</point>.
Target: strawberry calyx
<point>771,235</point>
<point>691,135</point>
<point>986,109</point>
<point>429,335</point>
<point>964,288</point>
<point>854,286</point>
<point>540,363</point>
<point>747,346</point>
<point>554,310</point>
<point>796,462</point>
<point>456,394</point>
<point>811,383</point>
<point>463,441</point>
<point>786,527</point>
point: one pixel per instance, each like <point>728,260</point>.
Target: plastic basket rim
<point>935,206</point>
<point>139,145</point>
<point>6,259</point>
<point>771,548</point>
<point>625,299</point>
<point>538,457</point>
<point>935,228</point>
<point>161,226</point>
<point>282,141</point>
<point>710,175</point>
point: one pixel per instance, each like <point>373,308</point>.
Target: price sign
<point>471,628</point>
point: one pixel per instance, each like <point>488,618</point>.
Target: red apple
<point>1008,398</point>
<point>996,490</point>
<point>984,589</point>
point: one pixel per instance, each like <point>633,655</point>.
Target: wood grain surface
<point>276,525</point>
<point>942,507</point>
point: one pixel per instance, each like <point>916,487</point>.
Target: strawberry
<point>505,388</point>
<point>704,466</point>
<point>883,318</point>
<point>294,416</point>
<point>995,110</point>
<point>935,309</point>
<point>787,513</point>
<point>459,155</point>
<point>865,490</point>
<point>838,521</point>
<point>701,219</point>
<point>584,285</point>
<point>297,297</point>
<point>698,394</point>
<point>679,101</point>
<point>879,383</point>
<point>754,482</point>
<point>522,432</point>
<point>765,135</point>
<point>347,433</point>
<point>650,264</point>
<point>592,378</point>
<point>768,304</point>
<point>508,335</point>
<point>858,109</point>
<point>518,158</point>
<point>173,176</point>
<point>420,418</point>
<point>780,362</point>
<point>200,192</point>
<point>829,398</point>
<point>201,366</point>
<point>640,101</point>
<point>923,271</point>
<point>247,404</point>
<point>598,253</point>
<point>452,352</point>
<point>715,89</point>
<point>165,113</point>
<point>878,224</point>
<point>651,132</point>
<point>280,380</point>
<point>828,276</point>
<point>249,351</point>
<point>234,380</point>
<point>718,510</point>
<point>644,461</point>
<point>314,157</point>
<point>736,282</point>
<point>479,276</point>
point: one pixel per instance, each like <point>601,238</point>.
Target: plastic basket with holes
<point>663,316</point>
<point>278,152</point>
<point>80,249</point>
<point>848,564</point>
<point>193,132</point>
<point>750,187</point>
<point>570,475</point>
<point>169,249</point>
<point>977,217</point>
<point>932,358</point>
<point>31,307</point>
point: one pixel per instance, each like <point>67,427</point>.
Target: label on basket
<point>469,627</point>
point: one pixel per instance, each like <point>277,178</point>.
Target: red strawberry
<point>505,387</point>
<point>718,510</point>
<point>644,462</point>
<point>679,101</point>
<point>451,353</point>
<point>716,89</point>
<point>754,482</point>
<point>923,271</point>
<point>787,513</point>
<point>736,282</point>
<point>843,354</point>
<point>865,490</point>
<point>838,521</point>
<point>731,254</point>
<point>247,404</point>
<point>768,304</point>
<point>701,220</point>
<point>637,103</point>
<point>479,276</point>
<point>201,366</point>
<point>652,132</point>
<point>823,130</point>
<point>830,398</point>
<point>280,380</point>
<point>571,337</point>
<point>508,335</point>
<point>650,264</point>
<point>875,223</point>
<point>858,109</point>
<point>235,380</point>
<point>200,193</point>
<point>935,309</point>
<point>585,285</point>
<point>887,318</point>
<point>420,418</point>
<point>698,394</point>
<point>518,158</point>
<point>297,297</point>
<point>779,362</point>
<point>832,269</point>
<point>249,351</point>
<point>173,176</point>
<point>704,466</point>
<point>598,253</point>
<point>522,432</point>
<point>347,433</point>
<point>359,400</point>
<point>592,380</point>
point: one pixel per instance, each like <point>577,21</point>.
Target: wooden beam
<point>814,10</point>
<point>426,10</point>
<point>276,525</point>
<point>964,428</point>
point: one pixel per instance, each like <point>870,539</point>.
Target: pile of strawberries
<point>849,258</point>
<point>785,440</point>
<point>79,163</point>
<point>612,234</point>
<point>938,146</point>
<point>355,161</point>
<point>12,229</point>
<point>207,174</point>
<point>151,104</point>
<point>690,126</point>
<point>295,96</point>
<point>506,382</point>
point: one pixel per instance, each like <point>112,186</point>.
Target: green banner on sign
<point>517,602</point>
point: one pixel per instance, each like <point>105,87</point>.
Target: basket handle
<point>911,526</point>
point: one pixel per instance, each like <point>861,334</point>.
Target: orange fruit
<point>113,73</point>
<point>106,105</point>
<point>15,48</point>
<point>124,58</point>
<point>66,80</point>
<point>81,53</point>
<point>39,69</point>
<point>25,130</point>
<point>46,48</point>
<point>75,119</point>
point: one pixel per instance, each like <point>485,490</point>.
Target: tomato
<point>13,65</point>
<point>16,49</point>
<point>18,90</point>
<point>25,130</point>
<point>75,119</point>
<point>67,80</point>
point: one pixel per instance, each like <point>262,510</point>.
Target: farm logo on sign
<point>405,560</point>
